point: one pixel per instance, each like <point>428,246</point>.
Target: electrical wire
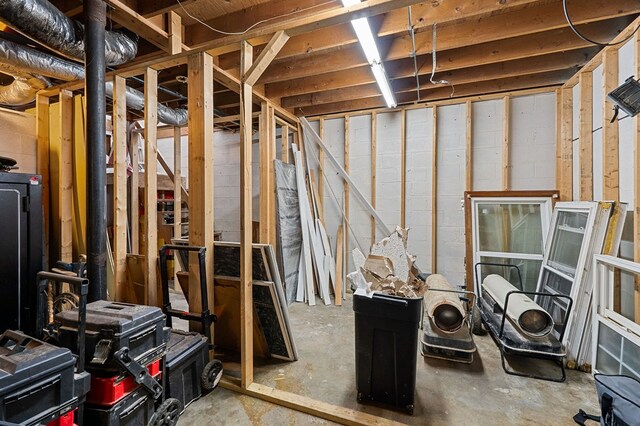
<point>413,52</point>
<point>250,27</point>
<point>434,63</point>
<point>588,40</point>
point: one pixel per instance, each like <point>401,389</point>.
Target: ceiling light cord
<point>250,27</point>
<point>434,64</point>
<point>413,52</point>
<point>588,40</point>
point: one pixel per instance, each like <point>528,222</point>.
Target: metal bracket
<point>140,373</point>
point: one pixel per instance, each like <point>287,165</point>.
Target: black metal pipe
<point>95,12</point>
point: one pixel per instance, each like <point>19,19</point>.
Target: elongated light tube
<point>368,44</point>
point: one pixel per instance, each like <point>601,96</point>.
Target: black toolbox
<point>112,326</point>
<point>187,355</point>
<point>134,409</point>
<point>37,380</point>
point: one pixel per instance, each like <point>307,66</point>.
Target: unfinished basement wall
<point>18,141</point>
<point>603,155</point>
<point>531,147</point>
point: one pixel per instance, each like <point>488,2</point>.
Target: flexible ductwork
<point>16,60</point>
<point>22,91</point>
<point>45,24</point>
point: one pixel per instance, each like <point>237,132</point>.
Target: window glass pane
<point>554,283</point>
<point>529,269</point>
<point>606,363</point>
<point>557,308</point>
<point>631,356</point>
<point>510,228</point>
<point>610,340</point>
<point>567,241</point>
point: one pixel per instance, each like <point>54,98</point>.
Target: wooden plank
<point>201,185</point>
<point>267,55</point>
<point>120,187</point>
<point>175,32</point>
<point>610,137</point>
<point>320,201</point>
<point>80,176</point>
<point>374,155</point>
<point>566,143</point>
<point>150,8</point>
<point>284,141</point>
<point>151,185</point>
<point>434,191</point>
<point>66,176</point>
<point>272,176</point>
<point>246,297</point>
<point>307,405</point>
<point>506,144</point>
<point>165,166</point>
<point>339,266</point>
<point>177,189</point>
<point>265,146</point>
<point>347,196</point>
<point>42,161</point>
<point>586,136</point>
<point>469,149</point>
<point>403,168</point>
<point>135,194</point>
<point>636,187</point>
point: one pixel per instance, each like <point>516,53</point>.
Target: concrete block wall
<point>332,182</point>
<point>18,139</point>
<point>388,170</point>
<point>487,138</point>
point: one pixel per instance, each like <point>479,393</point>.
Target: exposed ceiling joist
<point>148,8</point>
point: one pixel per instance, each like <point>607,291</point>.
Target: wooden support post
<point>265,148</point>
<point>175,33</point>
<point>345,222</point>
<point>469,149</point>
<point>320,201</point>
<point>42,161</point>
<point>151,185</point>
<point>403,168</point>
<point>119,186</point>
<point>66,176</point>
<point>246,270</point>
<point>566,145</point>
<point>636,188</point>
<point>374,149</point>
<point>610,137</point>
<point>434,191</point>
<point>586,136</point>
<point>271,177</point>
<point>177,187</point>
<point>135,193</point>
<point>506,144</point>
<point>200,122</point>
<point>284,150</point>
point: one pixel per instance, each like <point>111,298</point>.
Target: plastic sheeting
<point>42,22</point>
<point>288,226</point>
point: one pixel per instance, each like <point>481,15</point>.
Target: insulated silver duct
<point>23,89</point>
<point>16,60</point>
<point>44,23</point>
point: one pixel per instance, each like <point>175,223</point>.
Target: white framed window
<point>511,230</point>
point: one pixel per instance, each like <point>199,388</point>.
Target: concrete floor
<point>446,393</point>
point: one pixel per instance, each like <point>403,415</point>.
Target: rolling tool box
<point>136,408</point>
<point>113,327</point>
<point>187,356</point>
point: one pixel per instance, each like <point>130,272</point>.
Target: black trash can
<point>387,348</point>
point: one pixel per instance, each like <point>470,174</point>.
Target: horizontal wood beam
<point>554,62</point>
<point>455,29</point>
<point>552,79</point>
<point>148,8</point>
<point>539,43</point>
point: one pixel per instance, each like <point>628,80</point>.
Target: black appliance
<point>21,249</point>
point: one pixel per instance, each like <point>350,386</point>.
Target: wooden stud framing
<point>135,197</point>
<point>119,186</point>
<point>284,150</point>
<point>265,130</point>
<point>272,176</point>
<point>42,159</point>
<point>345,222</point>
<point>267,55</point>
<point>610,137</point>
<point>200,122</point>
<point>506,144</point>
<point>586,136</point>
<point>374,150</point>
<point>175,33</point>
<point>403,168</point>
<point>167,170</point>
<point>66,176</point>
<point>246,273</point>
<point>434,191</point>
<point>151,185</point>
<point>636,188</point>
<point>177,187</point>
<point>469,148</point>
<point>566,145</point>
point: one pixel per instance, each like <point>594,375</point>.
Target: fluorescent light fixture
<point>368,44</point>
